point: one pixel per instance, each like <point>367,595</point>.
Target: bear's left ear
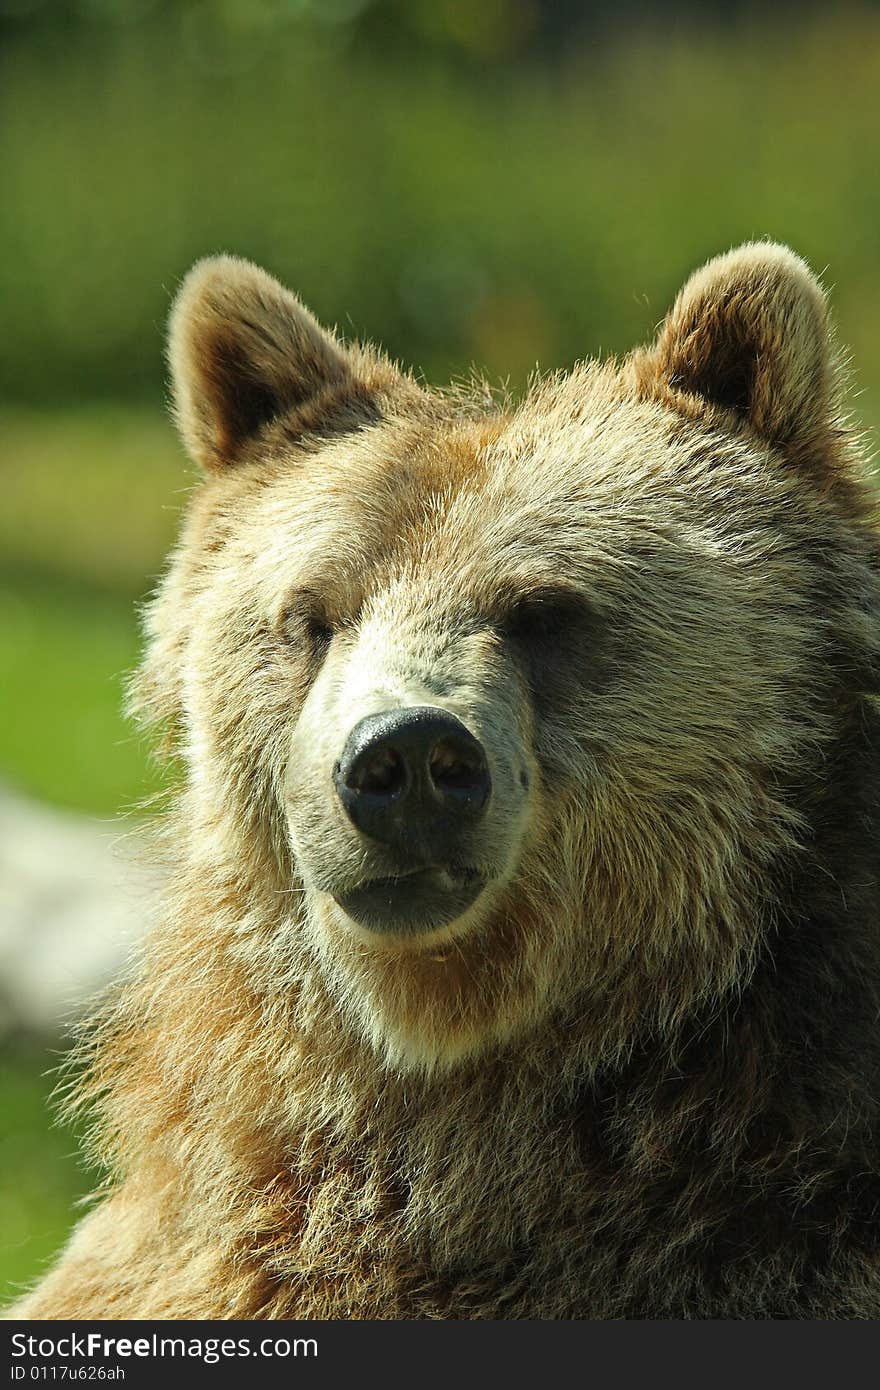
<point>244,352</point>
<point>748,335</point>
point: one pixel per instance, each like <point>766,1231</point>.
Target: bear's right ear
<point>243,352</point>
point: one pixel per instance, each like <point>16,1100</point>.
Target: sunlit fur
<point>640,1076</point>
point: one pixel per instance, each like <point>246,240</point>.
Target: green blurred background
<point>499,183</point>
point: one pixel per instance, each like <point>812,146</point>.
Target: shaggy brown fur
<point>640,1076</point>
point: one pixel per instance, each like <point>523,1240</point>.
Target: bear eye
<point>545,615</point>
<point>304,623</point>
<point>319,631</point>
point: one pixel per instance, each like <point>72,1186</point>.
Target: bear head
<point>511,716</point>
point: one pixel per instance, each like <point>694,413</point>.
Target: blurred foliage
<point>490,182</point>
<point>448,190</point>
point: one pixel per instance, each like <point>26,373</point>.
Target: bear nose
<point>413,778</point>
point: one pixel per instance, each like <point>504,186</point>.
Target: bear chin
<point>434,1000</point>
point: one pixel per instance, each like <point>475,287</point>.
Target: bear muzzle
<point>416,781</point>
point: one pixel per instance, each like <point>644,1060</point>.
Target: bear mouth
<point>419,901</point>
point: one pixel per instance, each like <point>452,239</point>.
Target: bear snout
<point>416,781</point>
<point>413,778</point>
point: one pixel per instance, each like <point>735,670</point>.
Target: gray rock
<point>75,894</point>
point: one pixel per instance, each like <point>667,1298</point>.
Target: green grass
<point>91,496</point>
<point>63,655</point>
<point>91,506</point>
<point>41,1177</point>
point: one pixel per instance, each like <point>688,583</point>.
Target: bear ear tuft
<point>749,334</point>
<point>243,352</point>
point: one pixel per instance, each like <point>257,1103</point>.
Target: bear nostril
<point>382,774</point>
<point>454,768</point>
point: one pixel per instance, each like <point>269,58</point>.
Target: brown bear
<point>522,952</point>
